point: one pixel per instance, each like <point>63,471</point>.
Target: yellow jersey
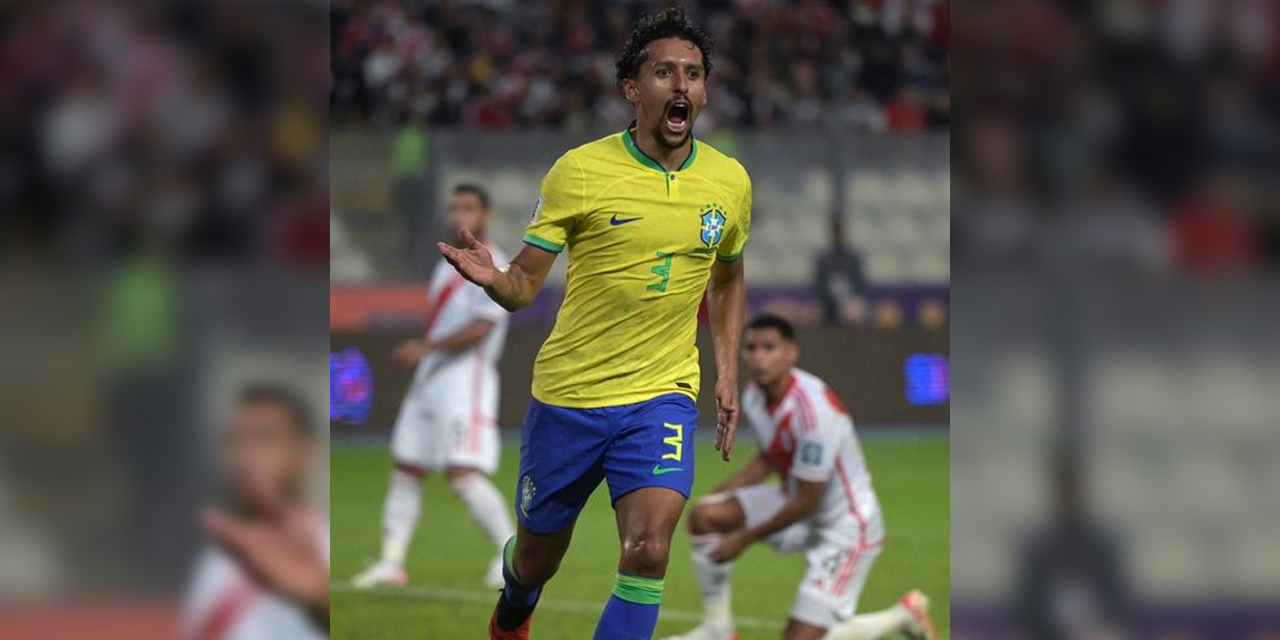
<point>641,242</point>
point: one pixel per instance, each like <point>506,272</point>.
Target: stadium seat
<point>912,189</point>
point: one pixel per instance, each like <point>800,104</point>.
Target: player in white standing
<point>824,507</point>
<point>446,422</point>
<point>268,576</point>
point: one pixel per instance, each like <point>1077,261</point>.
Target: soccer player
<point>825,506</point>
<point>446,422</point>
<point>652,219</point>
<point>268,577</point>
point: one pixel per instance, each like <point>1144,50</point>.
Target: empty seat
<point>884,267</point>
<point>931,267</point>
<point>867,189</point>
<point>901,230</point>
<point>913,189</point>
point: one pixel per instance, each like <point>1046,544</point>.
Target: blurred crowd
<point>493,64</point>
<point>1130,134</point>
<point>190,129</point>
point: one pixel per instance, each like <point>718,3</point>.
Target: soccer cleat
<point>381,574</point>
<point>920,627</point>
<point>705,632</point>
<point>519,633</point>
<point>494,579</point>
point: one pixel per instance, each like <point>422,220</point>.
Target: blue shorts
<point>565,453</point>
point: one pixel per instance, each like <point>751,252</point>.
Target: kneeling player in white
<point>446,422</point>
<point>824,507</point>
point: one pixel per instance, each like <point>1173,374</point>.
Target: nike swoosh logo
<point>657,471</point>
<point>615,220</point>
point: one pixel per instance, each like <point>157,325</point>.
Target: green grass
<point>450,553</point>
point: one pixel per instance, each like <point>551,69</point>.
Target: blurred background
<point>839,110</point>
<point>1115,222</point>
<point>162,209</point>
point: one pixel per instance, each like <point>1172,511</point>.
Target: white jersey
<point>223,603</point>
<point>808,435</point>
<point>448,417</point>
<point>452,304</point>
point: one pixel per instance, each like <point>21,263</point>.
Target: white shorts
<point>838,561</point>
<point>448,421</point>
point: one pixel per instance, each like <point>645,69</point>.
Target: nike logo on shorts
<point>657,471</point>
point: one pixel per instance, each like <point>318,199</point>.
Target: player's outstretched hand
<point>726,416</point>
<point>472,259</point>
<point>278,550</point>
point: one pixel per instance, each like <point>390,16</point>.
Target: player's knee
<point>701,521</point>
<point>645,554</point>
<point>460,481</point>
<point>412,470</point>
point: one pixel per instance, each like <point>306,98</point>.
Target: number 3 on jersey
<point>663,270</point>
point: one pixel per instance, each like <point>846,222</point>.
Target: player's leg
<point>647,518</point>
<point>910,615</point>
<point>400,511</point>
<point>403,503</point>
<point>561,452</point>
<point>530,560</point>
<point>473,456</point>
<point>649,467</point>
<point>797,630</point>
<point>710,519</point>
<point>488,509</point>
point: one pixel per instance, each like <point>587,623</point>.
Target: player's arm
<point>464,338</point>
<point>799,506</point>
<point>561,203</point>
<point>512,286</point>
<point>411,351</point>
<point>754,472</point>
<point>802,503</point>
<point>726,304</point>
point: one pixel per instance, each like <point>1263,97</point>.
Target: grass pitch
<point>446,600</point>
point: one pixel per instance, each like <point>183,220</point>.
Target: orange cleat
<point>519,633</point>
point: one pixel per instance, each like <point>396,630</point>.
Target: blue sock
<point>516,594</point>
<point>632,610</point>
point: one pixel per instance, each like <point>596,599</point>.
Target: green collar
<point>628,140</point>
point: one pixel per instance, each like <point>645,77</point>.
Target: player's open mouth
<point>678,116</point>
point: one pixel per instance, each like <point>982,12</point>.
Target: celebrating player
<point>824,507</point>
<point>652,218</point>
<point>447,419</point>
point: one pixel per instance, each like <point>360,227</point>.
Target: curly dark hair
<point>667,23</point>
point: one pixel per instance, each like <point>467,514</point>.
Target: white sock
<point>713,582</point>
<point>487,507</point>
<point>871,626</point>
<point>400,516</point>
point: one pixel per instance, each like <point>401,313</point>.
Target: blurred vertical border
<point>1115,247</point>
<point>163,234</point>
